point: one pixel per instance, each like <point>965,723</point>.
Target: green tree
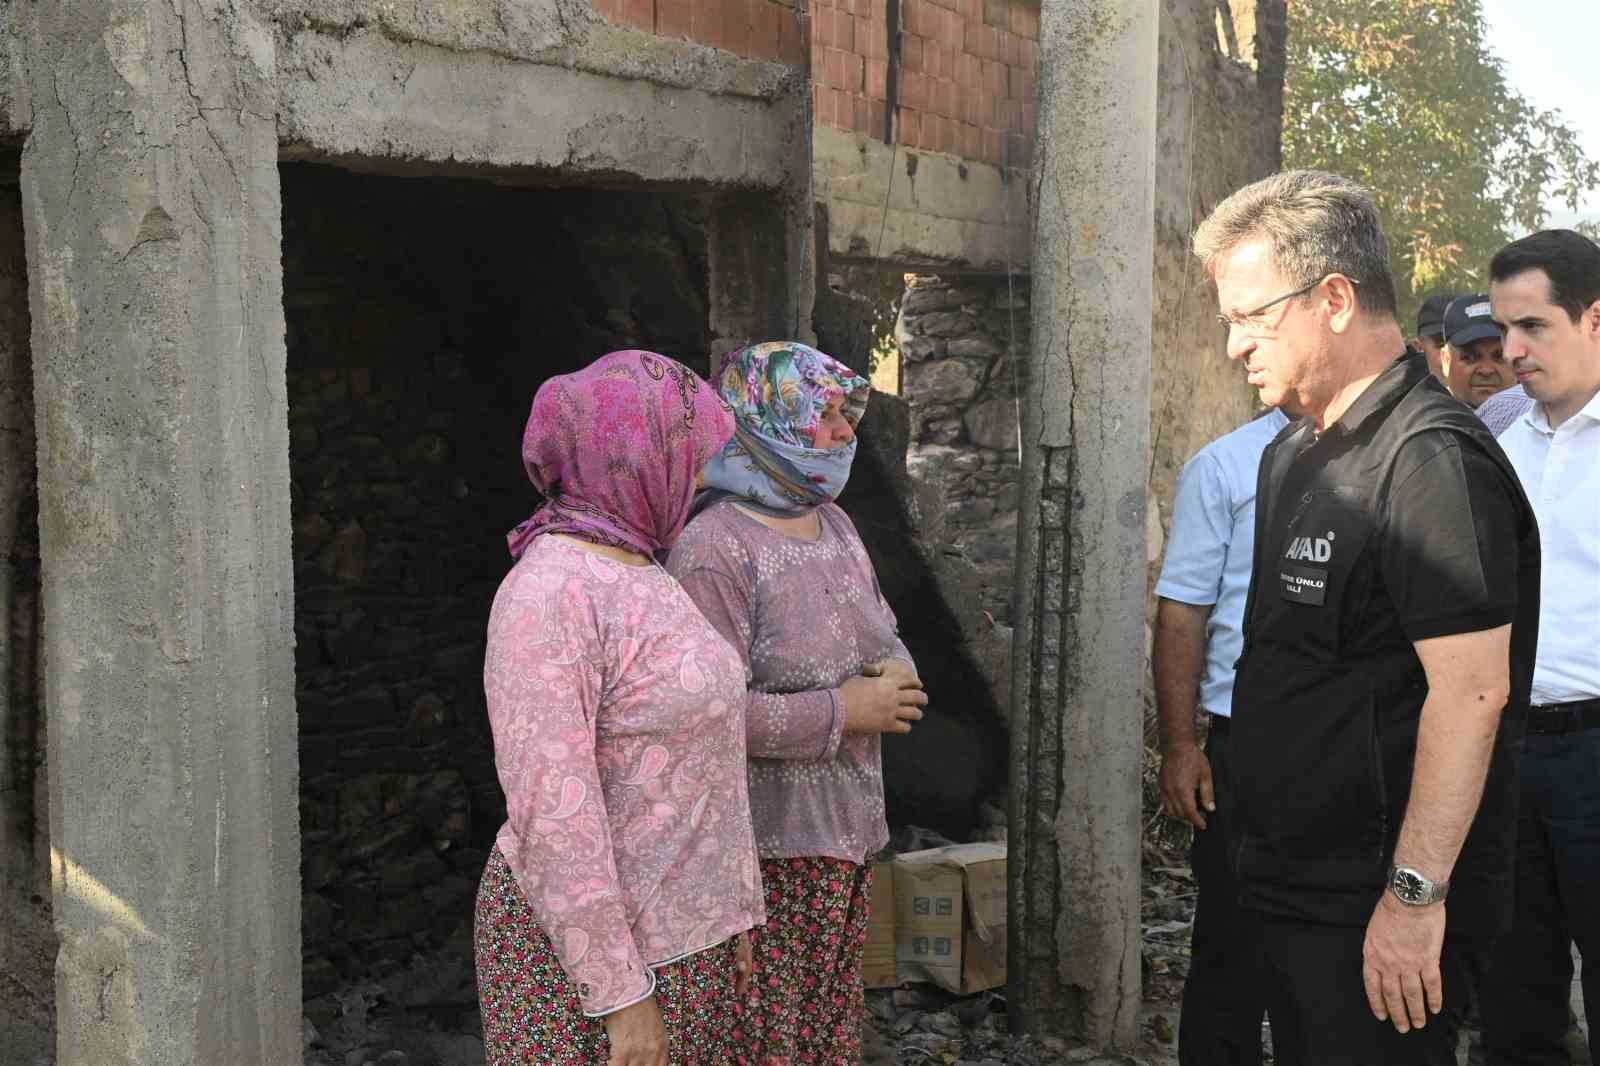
<point>1405,97</point>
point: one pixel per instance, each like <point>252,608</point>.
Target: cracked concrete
<point>913,207</point>
<point>149,190</point>
<point>364,94</point>
<point>1089,413</point>
<point>565,33</point>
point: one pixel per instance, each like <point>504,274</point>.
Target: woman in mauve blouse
<point>610,913</point>
<point>779,570</point>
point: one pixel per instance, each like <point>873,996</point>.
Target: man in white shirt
<point>1545,291</point>
<point>1199,633</point>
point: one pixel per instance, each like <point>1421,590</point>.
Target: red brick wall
<point>755,29</point>
<point>965,78</point>
<point>849,64</point>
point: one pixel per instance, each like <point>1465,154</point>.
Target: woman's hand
<point>887,703</point>
<point>743,964</point>
<point>638,1037</point>
<point>896,668</point>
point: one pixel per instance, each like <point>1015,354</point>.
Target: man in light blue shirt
<point>1199,635</point>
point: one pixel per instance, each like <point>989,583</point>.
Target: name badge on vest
<point>1304,584</point>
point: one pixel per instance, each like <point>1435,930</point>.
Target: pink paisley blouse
<point>806,616</point>
<point>618,721</point>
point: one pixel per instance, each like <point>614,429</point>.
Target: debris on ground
<point>921,1025</point>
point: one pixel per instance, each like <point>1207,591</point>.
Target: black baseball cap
<point>1467,319</point>
<point>1430,316</point>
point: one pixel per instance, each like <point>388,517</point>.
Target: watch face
<point>1409,887</point>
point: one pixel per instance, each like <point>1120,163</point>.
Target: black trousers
<point>1317,1004</point>
<point>1222,1002</point>
<point>1529,978</point>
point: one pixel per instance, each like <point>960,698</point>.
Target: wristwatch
<point>1413,888</point>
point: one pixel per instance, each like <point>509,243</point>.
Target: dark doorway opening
<point>422,313</point>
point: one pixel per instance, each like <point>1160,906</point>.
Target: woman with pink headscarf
<point>779,570</point>
<point>611,912</point>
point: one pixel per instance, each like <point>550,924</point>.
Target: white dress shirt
<point>1560,472</point>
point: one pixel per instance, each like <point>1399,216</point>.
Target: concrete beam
<point>151,202</point>
<point>919,208</point>
<point>364,94</point>
<point>1079,664</point>
<point>564,33</point>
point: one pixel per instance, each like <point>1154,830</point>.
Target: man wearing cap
<point>1474,360</point>
<point>1546,293</point>
<point>1430,330</point>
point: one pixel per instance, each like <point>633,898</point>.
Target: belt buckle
<point>1561,720</point>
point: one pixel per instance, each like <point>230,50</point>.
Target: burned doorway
<point>422,313</point>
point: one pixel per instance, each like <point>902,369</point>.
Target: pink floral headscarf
<point>615,449</point>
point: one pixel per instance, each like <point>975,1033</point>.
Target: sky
<point>1548,51</point>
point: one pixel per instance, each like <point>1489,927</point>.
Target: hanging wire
<point>891,128</point>
<point>1011,291</point>
<point>888,187</point>
<point>809,134</point>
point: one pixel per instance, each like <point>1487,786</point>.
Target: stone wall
<point>27,941</point>
<point>949,772</point>
<point>422,313</point>
<point>1219,109</point>
<point>961,341</point>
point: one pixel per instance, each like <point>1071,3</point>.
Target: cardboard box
<point>927,919</point>
<point>950,916</point>
<point>877,961</point>
<point>983,960</point>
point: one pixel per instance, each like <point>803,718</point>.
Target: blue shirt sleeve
<point>1202,528</point>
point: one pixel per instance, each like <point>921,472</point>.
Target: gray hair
<point>1314,224</point>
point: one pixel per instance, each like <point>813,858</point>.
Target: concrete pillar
<point>762,272</point>
<point>150,198</point>
<point>1078,664</point>
<point>761,247</point>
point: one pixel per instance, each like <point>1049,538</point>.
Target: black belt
<point>1555,718</point>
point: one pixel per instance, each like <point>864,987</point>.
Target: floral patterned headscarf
<point>615,449</point>
<point>778,392</point>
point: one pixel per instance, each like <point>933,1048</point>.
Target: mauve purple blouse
<point>806,616</point>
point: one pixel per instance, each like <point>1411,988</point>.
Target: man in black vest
<point>1389,638</point>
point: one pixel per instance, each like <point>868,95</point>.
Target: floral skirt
<point>805,999</point>
<point>530,1007</point>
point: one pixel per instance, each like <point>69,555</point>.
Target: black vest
<point>1329,689</point>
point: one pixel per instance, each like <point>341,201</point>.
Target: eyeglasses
<point>1228,322</point>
